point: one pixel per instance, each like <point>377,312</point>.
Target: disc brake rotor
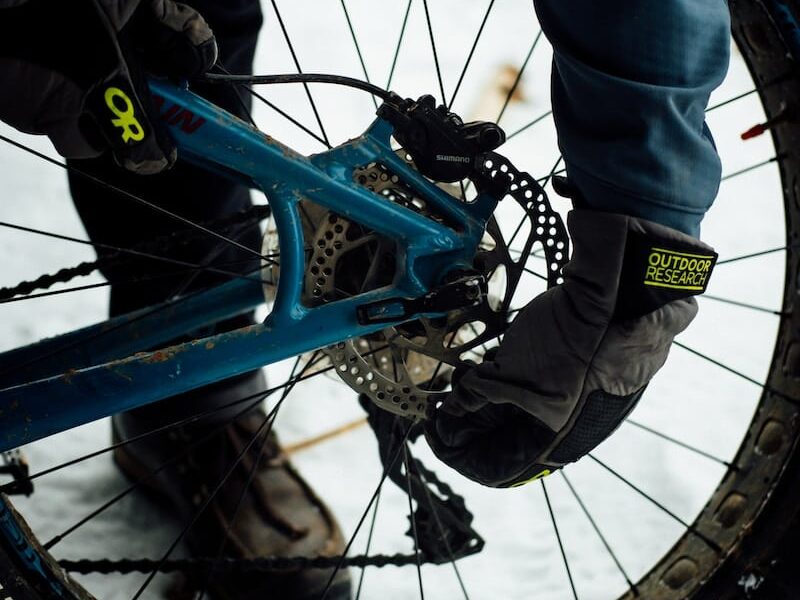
<point>401,366</point>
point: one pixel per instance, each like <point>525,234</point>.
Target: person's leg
<point>186,190</point>
<point>631,80</point>
<point>277,513</point>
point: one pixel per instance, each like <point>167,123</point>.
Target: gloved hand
<point>576,360</point>
<point>74,71</point>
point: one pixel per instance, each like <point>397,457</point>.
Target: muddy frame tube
<point>79,377</point>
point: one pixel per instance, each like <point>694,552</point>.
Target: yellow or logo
<point>677,270</point>
<point>539,475</point>
<point>126,118</point>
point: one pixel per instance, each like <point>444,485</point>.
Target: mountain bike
<point>390,261</point>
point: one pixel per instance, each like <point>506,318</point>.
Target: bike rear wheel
<point>733,538</point>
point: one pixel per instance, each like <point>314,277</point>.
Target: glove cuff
<point>660,265</point>
<point>627,267</point>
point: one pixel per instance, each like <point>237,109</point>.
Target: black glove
<point>576,360</point>
<point>74,71</point>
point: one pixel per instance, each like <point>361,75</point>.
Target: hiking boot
<point>277,515</point>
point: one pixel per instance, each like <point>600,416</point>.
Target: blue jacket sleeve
<point>631,81</point>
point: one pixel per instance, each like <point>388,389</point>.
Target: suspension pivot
<point>441,145</point>
<point>461,293</point>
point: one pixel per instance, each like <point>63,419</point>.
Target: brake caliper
<point>442,146</point>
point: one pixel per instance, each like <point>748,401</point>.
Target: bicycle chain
<point>236,566</point>
<point>228,565</point>
<point>161,244</point>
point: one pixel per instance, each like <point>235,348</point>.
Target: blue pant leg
<point>631,81</point>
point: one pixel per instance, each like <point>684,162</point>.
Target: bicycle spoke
<point>691,528</point>
<point>535,254</point>
<point>678,442</point>
<point>758,88</point>
<point>135,485</point>
<point>375,494</point>
<point>130,196</point>
<point>477,333</point>
<point>236,90</point>
<point>471,53</point>
<point>756,254</point>
<point>130,251</point>
<point>532,272</point>
<point>162,307</point>
<point>516,83</point>
<point>210,256</point>
<point>413,520</point>
<point>600,535</point>
<point>299,70</point>
<point>440,527</point>
<point>463,189</point>
<point>721,365</point>
<point>175,298</point>
<point>543,181</point>
<point>399,44</point>
<point>358,47</point>
<point>518,78</point>
<point>369,544</point>
<point>730,100</point>
<point>268,422</point>
<point>541,117</point>
<point>744,305</point>
<point>285,115</point>
<point>558,537</point>
<point>239,86</point>
<point>750,168</point>
<point>231,520</point>
<point>8,487</point>
<point>433,48</point>
<point>440,363</point>
<point>4,299</point>
<point>79,288</point>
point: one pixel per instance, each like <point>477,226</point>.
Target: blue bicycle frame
<point>94,372</point>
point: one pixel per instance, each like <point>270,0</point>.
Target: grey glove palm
<point>74,71</point>
<point>576,360</point>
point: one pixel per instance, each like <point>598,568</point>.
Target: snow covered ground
<point>691,400</point>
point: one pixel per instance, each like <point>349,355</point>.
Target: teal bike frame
<point>76,378</point>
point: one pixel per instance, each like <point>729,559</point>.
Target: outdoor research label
<point>678,270</point>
